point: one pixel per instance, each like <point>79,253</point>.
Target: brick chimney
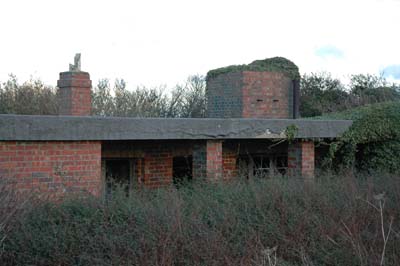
<point>75,90</point>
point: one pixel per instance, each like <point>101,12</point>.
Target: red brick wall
<point>157,167</point>
<point>75,93</point>
<point>266,95</point>
<point>53,167</point>
<point>301,159</point>
<point>214,160</point>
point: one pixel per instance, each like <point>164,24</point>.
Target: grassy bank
<point>337,220</point>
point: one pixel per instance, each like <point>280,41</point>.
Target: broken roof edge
<point>75,128</point>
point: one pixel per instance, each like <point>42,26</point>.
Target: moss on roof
<point>274,64</point>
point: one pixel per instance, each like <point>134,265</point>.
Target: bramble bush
<point>335,220</point>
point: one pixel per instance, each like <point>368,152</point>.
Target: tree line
<point>323,94</point>
<point>320,94</point>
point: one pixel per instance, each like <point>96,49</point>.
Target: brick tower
<point>263,89</point>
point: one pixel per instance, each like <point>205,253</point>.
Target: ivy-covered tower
<point>262,89</point>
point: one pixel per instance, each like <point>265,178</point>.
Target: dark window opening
<point>182,169</point>
<point>118,175</point>
<point>281,164</point>
<point>243,167</point>
<point>259,100</point>
<point>262,165</point>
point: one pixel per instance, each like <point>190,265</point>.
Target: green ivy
<point>274,64</point>
<point>373,141</point>
<point>291,132</point>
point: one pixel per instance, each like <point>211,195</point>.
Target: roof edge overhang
<point>79,128</point>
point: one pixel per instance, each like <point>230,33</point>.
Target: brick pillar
<point>207,160</point>
<point>214,160</point>
<point>301,159</point>
<point>75,93</point>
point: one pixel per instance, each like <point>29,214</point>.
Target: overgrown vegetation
<point>372,142</point>
<point>274,64</point>
<point>338,220</point>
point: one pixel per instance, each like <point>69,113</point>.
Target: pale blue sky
<point>392,71</point>
<point>162,42</point>
<point>329,51</point>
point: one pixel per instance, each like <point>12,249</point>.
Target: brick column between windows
<point>301,159</point>
<point>214,160</point>
<point>207,160</point>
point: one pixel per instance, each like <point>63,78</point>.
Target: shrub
<point>329,222</point>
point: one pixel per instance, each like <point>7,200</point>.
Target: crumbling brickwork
<point>52,167</point>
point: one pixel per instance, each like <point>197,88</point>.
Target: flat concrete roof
<point>69,128</point>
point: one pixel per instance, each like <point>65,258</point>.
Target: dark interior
<point>182,169</point>
<point>117,173</point>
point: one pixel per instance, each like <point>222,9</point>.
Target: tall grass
<point>332,221</point>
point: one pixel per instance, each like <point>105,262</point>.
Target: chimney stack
<point>75,90</point>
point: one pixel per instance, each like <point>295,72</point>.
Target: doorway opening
<point>182,169</point>
<point>118,175</point>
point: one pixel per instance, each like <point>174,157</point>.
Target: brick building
<point>251,110</point>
